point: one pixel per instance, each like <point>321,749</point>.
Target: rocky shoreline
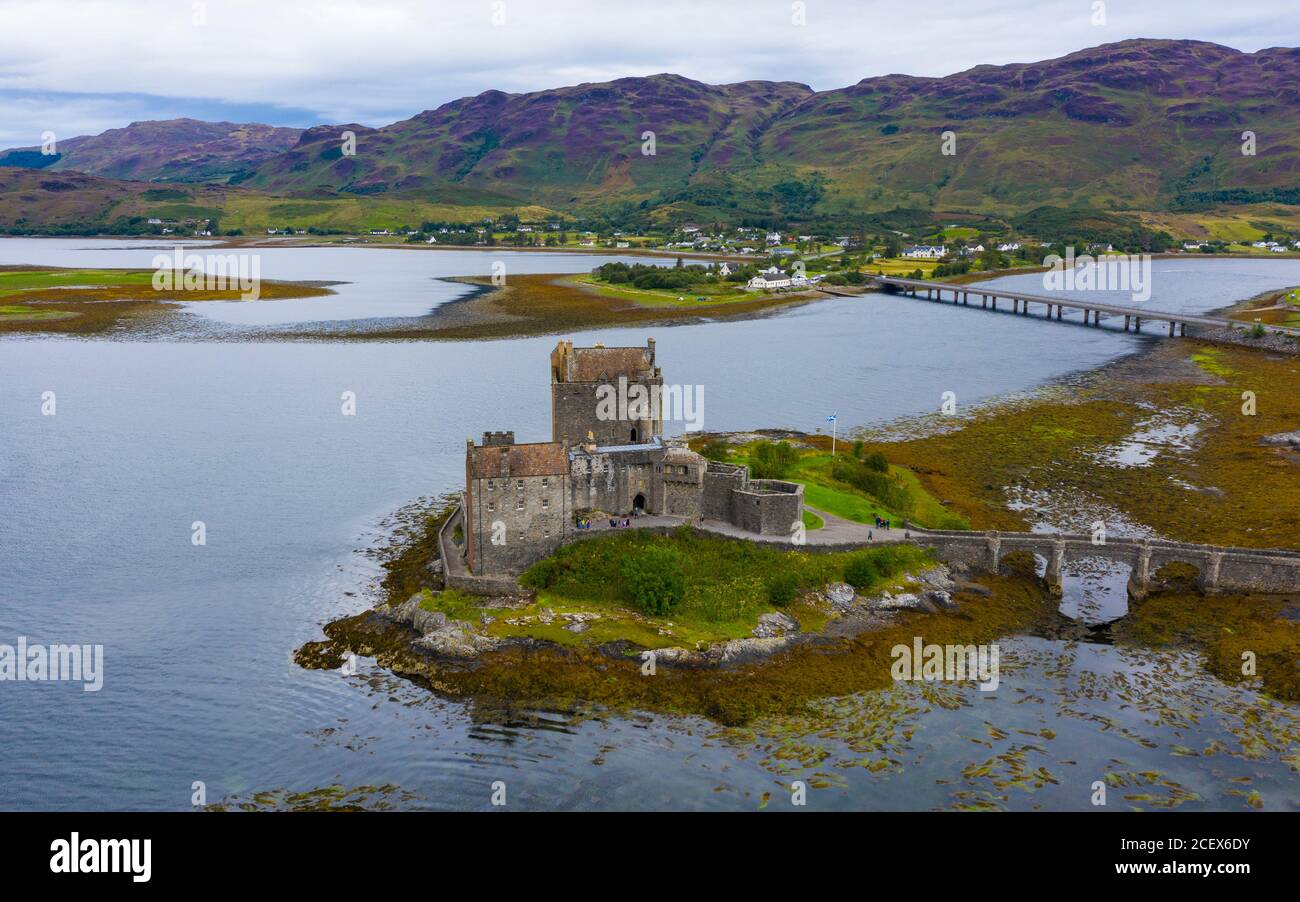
<point>444,641</point>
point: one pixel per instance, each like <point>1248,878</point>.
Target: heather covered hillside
<point>1140,125</point>
<point>574,147</point>
<point>173,150</point>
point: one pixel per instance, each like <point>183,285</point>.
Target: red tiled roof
<point>537,459</point>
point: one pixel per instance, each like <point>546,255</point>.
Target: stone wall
<point>720,482</point>
<point>574,414</point>
<point>681,494</point>
<point>455,573</point>
<point>610,482</point>
<point>1219,569</point>
<point>767,506</point>
<point>516,521</point>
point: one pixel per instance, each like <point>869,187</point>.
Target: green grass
<point>13,282</point>
<point>455,604</point>
<point>654,297</point>
<point>17,311</point>
<point>825,493</point>
<point>726,580</point>
<point>812,521</point>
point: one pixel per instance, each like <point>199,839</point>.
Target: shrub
<point>542,575</point>
<point>880,485</point>
<point>716,450</point>
<point>653,577</point>
<point>782,588</point>
<point>876,461</point>
<point>772,461</point>
<point>860,571</point>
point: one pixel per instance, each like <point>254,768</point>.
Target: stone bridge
<point>1220,569</point>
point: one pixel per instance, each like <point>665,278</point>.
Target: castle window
<point>520,485</point>
<point>545,482</point>
<point>519,503</point>
<point>492,505</point>
<point>546,502</point>
<point>490,486</point>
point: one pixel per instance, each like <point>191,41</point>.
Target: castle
<point>522,501</point>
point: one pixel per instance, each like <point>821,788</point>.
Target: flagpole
<point>835,424</point>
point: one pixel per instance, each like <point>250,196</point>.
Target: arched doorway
<point>634,435</point>
<point>638,504</point>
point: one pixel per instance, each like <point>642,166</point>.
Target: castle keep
<point>607,457</point>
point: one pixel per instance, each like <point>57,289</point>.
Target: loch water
<point>97,505</point>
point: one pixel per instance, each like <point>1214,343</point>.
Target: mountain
<point>180,150</point>
<point>576,147</point>
<point>1151,125</point>
<point>1139,124</point>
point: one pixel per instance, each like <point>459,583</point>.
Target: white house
<point>1009,247</point>
<point>724,269</point>
<point>925,251</point>
<point>769,279</point>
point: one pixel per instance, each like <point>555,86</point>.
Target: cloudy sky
<point>81,66</point>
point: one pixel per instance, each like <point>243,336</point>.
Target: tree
<point>771,460</point>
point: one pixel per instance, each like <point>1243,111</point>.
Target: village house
<point>769,279</point>
<point>925,251</point>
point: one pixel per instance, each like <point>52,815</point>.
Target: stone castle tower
<point>582,377</point>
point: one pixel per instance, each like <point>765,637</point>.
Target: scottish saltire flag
<point>832,418</point>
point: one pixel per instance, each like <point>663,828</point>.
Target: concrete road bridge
<point>1055,307</point>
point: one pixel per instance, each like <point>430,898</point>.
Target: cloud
<point>76,66</point>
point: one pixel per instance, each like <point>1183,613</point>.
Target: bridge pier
<point>1182,330</point>
<point>1052,576</point>
<point>993,553</point>
<point>1171,328</point>
<point>1139,579</point>
<point>1137,324</point>
<point>1210,573</point>
<point>1126,322</point>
